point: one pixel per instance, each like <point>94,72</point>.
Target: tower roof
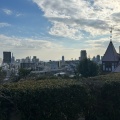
<point>111,54</point>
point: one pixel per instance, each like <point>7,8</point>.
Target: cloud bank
<point>7,11</point>
<point>4,24</point>
<point>76,18</point>
<point>43,49</point>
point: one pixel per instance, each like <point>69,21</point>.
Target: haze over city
<point>52,28</point>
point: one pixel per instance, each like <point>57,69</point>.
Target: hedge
<point>60,100</point>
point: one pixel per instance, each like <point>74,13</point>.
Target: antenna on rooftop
<point>111,33</point>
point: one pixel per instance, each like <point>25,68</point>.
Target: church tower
<point>111,57</point>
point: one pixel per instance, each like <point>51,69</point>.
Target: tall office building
<point>63,60</point>
<point>7,57</point>
<point>12,59</point>
<point>83,54</point>
<point>119,49</point>
<point>98,58</point>
<point>35,59</point>
<point>94,59</point>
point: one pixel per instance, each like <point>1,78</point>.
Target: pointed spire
<point>111,33</point>
<point>110,54</point>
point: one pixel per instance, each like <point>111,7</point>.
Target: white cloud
<point>7,11</point>
<point>70,16</point>
<point>99,46</point>
<point>4,25</point>
<point>19,14</point>
<point>45,50</point>
<point>10,12</point>
<point>26,43</point>
<point>61,29</point>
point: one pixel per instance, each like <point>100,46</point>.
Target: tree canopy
<point>24,72</point>
<point>87,68</point>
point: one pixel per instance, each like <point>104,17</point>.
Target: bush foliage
<point>92,98</point>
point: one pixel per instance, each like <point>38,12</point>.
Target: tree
<point>23,72</point>
<point>2,75</point>
<point>87,68</point>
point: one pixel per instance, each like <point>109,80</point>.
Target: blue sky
<point>52,28</point>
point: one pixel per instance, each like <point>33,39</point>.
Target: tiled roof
<point>110,54</point>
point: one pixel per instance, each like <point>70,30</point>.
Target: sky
<point>50,29</point>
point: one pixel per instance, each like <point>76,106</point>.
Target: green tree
<point>2,75</point>
<point>24,72</point>
<point>87,68</point>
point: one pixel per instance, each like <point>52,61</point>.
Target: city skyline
<point>51,29</point>
<point>9,56</point>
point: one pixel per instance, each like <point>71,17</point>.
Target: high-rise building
<point>7,57</point>
<point>28,59</point>
<point>12,59</point>
<point>35,59</point>
<point>98,58</point>
<point>94,59</point>
<point>63,60</point>
<point>83,54</point>
<point>119,49</point>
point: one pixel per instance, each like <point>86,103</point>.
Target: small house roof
<point>111,54</point>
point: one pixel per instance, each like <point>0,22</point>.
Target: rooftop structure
<point>111,58</point>
<point>110,54</point>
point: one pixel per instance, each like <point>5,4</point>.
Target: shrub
<point>57,101</point>
<point>93,98</point>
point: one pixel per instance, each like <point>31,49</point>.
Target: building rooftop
<point>111,54</point>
